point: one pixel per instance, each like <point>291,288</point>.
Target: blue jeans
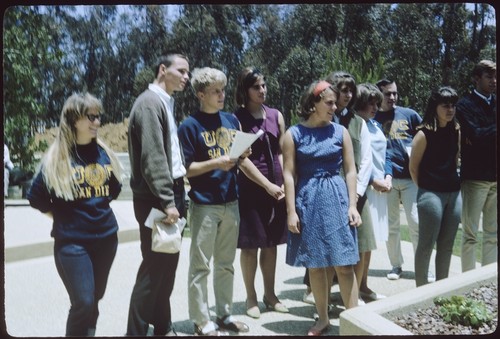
<point>439,216</point>
<point>84,269</point>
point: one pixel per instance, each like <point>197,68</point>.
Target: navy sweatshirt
<point>478,124</point>
<point>89,216</point>
<point>203,137</point>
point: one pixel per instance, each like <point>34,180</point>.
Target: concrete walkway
<point>36,302</point>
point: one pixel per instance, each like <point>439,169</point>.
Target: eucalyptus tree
<point>360,30</point>
<point>130,53</point>
<point>213,36</point>
<point>483,33</point>
<point>413,52</point>
<point>26,52</point>
<point>309,32</point>
<point>454,46</point>
<point>60,73</point>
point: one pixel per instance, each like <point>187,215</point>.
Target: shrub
<point>462,310</point>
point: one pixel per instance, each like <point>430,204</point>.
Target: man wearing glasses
<point>399,125</point>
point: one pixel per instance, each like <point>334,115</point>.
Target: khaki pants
<point>403,191</point>
<point>479,197</point>
<point>214,233</point>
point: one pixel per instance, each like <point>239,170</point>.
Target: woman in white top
<point>366,105</point>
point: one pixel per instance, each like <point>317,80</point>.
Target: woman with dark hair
<point>433,168</point>
<point>261,204</point>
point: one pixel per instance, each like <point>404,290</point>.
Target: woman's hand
<point>381,185</point>
<point>354,217</point>
<point>293,223</point>
<point>275,191</point>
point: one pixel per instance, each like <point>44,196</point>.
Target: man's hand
<point>225,163</point>
<point>172,215</point>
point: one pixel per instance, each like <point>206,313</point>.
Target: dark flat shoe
<point>234,325</point>
<point>214,333</point>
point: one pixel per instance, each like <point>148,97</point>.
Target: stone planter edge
<point>372,318</point>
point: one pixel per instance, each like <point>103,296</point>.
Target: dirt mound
<point>113,135</point>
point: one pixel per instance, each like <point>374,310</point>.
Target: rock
<point>429,321</point>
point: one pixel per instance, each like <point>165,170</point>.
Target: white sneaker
<point>308,298</point>
<point>361,302</point>
<point>395,273</point>
<point>430,277</point>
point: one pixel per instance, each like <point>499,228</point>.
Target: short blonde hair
<point>206,76</point>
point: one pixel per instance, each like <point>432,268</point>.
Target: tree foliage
<point>52,51</point>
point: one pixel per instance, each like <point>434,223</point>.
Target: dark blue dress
<point>321,199</point>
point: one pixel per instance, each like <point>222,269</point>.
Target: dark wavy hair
<point>308,99</point>
<point>339,79</point>
<point>443,95</point>
<point>246,79</point>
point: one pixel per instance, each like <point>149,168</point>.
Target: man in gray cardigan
<point>157,181</point>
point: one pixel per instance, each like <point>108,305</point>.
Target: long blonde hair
<point>56,164</point>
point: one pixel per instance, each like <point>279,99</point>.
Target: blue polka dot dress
<point>321,200</point>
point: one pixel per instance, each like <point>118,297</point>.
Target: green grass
<point>405,235</point>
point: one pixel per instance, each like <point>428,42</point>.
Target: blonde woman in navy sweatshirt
<point>78,178</point>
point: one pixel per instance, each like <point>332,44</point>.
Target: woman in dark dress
<point>261,203</point>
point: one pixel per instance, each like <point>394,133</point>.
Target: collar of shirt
<point>488,100</point>
<point>169,100</point>
<point>342,113</point>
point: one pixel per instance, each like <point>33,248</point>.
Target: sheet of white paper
<point>242,141</point>
<point>157,214</point>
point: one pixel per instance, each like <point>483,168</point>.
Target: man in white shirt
<point>157,181</point>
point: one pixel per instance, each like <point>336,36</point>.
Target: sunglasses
<point>93,117</point>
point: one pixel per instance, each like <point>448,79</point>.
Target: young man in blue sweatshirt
<point>399,125</point>
<point>206,138</point>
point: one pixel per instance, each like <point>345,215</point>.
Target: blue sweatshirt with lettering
<point>89,216</point>
<point>205,136</point>
<point>399,126</point>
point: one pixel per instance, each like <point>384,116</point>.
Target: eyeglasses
<point>93,117</point>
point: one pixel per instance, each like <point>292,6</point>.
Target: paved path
<point>36,303</point>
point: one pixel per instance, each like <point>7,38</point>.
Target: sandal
<point>229,323</point>
<point>210,330</point>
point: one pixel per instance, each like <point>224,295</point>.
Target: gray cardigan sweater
<point>150,150</point>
